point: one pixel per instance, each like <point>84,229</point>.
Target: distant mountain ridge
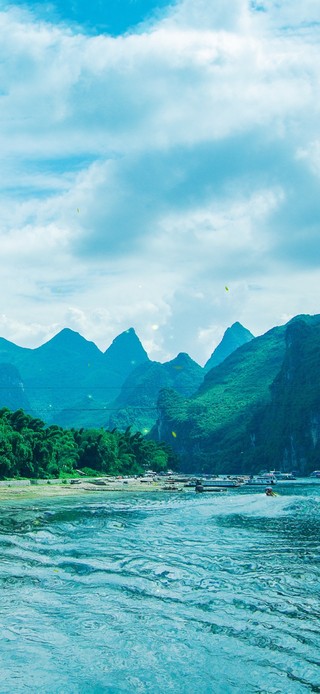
<point>69,381</point>
<point>68,368</point>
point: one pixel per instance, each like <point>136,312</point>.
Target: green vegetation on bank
<point>30,449</point>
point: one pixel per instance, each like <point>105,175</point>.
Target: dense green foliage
<point>259,409</point>
<point>289,426</point>
<point>30,449</point>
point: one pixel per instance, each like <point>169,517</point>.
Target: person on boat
<point>270,492</point>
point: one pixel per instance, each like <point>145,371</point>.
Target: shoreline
<point>75,487</point>
<point>23,489</point>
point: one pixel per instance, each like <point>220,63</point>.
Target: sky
<point>159,168</point>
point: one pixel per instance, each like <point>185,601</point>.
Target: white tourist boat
<point>262,480</point>
<point>222,482</point>
<point>284,476</point>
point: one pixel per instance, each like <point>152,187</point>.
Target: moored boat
<point>221,483</point>
<point>215,484</point>
<point>202,488</point>
<point>284,476</point>
<point>262,480</point>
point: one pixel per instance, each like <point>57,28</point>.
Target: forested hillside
<point>136,404</point>
<point>260,408</point>
<point>234,337</point>
<point>288,428</point>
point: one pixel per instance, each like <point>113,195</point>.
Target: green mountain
<point>136,404</point>
<point>12,389</point>
<point>68,371</point>
<point>288,430</point>
<point>258,409</point>
<point>234,337</point>
<point>125,353</point>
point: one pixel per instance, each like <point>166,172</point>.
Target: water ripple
<point>153,595</point>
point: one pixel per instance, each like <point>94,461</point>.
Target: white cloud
<point>217,16</point>
<point>142,174</point>
<point>290,14</point>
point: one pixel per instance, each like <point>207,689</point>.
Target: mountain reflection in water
<point>158,593</point>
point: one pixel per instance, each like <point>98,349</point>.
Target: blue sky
<point>152,154</point>
<point>113,17</point>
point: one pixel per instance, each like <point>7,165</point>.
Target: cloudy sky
<point>160,168</point>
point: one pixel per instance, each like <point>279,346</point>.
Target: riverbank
<point>13,489</point>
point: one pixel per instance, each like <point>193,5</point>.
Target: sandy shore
<point>55,488</point>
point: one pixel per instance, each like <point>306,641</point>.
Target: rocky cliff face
<point>289,430</point>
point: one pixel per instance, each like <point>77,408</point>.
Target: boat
<point>262,480</point>
<point>284,476</point>
<point>315,474</point>
<point>171,488</point>
<point>203,486</point>
<point>214,484</point>
<point>200,488</point>
<point>222,483</point>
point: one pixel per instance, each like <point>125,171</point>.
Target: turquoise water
<point>158,593</point>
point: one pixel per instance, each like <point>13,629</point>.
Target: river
<point>158,593</point>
